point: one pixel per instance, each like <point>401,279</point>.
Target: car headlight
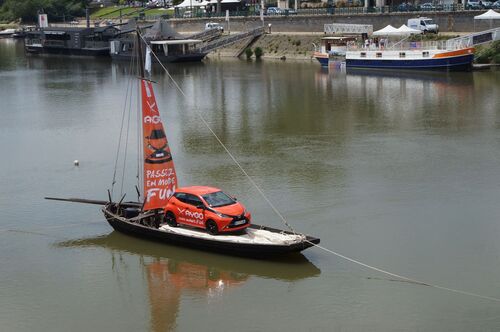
<point>222,215</point>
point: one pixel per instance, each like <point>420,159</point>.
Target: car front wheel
<point>171,219</point>
<point>212,227</point>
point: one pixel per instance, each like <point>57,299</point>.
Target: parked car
<point>290,11</point>
<point>274,11</point>
<point>474,4</point>
<point>208,208</point>
<point>427,6</point>
<point>406,7</point>
<point>487,4</point>
<point>214,25</point>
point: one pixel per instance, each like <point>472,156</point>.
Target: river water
<point>400,171</point>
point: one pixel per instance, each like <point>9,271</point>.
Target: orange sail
<point>160,179</point>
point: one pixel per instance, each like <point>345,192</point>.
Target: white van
<point>424,24</point>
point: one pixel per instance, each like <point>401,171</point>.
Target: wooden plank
<point>92,201</point>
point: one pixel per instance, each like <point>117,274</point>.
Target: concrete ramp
<point>231,39</point>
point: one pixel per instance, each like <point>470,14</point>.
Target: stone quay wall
<point>448,21</point>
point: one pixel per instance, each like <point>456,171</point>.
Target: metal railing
<point>476,38</point>
<point>196,12</point>
<point>401,45</point>
<point>329,11</point>
<point>206,35</point>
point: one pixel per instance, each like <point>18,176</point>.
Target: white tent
<point>201,3</point>
<point>408,31</point>
<point>489,15</point>
<point>192,3</point>
<point>387,31</point>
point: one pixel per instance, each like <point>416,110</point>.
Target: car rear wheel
<point>212,227</point>
<point>171,219</point>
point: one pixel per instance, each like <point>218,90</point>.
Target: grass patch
<point>127,12</point>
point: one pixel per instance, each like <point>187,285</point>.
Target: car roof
<point>198,190</point>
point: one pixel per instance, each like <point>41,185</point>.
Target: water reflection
<point>172,272</point>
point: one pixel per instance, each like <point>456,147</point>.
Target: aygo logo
<point>152,119</point>
<point>187,213</point>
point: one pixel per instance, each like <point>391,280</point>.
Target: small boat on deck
<point>187,216</point>
<point>332,49</point>
<point>7,33</point>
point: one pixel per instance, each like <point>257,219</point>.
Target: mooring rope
<point>352,260</point>
<point>403,278</point>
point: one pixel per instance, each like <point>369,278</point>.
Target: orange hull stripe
<point>463,51</point>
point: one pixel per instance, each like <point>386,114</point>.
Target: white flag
<point>147,63</point>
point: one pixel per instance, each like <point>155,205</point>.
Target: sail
<point>160,179</point>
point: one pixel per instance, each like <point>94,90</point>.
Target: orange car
<point>206,207</point>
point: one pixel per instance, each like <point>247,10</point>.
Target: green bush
<point>248,52</point>
<point>488,54</point>
<point>258,52</point>
<point>496,59</point>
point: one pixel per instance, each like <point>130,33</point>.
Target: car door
<point>181,206</point>
<point>194,215</point>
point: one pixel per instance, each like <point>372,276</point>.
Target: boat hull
<point>455,63</point>
<point>261,251</point>
<point>67,51</point>
<point>322,58</point>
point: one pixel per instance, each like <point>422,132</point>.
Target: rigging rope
<point>261,192</point>
<point>121,132</point>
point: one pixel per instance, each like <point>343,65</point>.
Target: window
<point>402,54</point>
<point>181,197</point>
<point>363,54</point>
<point>218,199</point>
<point>378,55</point>
<point>193,200</point>
<point>425,54</point>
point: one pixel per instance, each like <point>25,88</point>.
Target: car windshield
<point>429,22</point>
<point>218,199</point>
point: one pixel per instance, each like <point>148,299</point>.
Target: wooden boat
<point>295,267</point>
<point>70,41</point>
<point>168,44</point>
<point>146,218</point>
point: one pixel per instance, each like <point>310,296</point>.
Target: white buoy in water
<point>76,162</point>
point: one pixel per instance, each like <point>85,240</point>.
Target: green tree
<point>27,10</point>
<point>258,52</point>
<point>248,52</point>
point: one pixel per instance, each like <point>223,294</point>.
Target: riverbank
<point>276,46</point>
